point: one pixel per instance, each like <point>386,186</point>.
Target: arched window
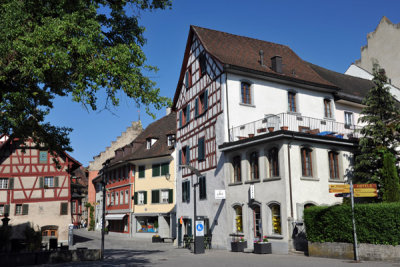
<point>246,93</point>
<point>254,170</point>
<point>306,162</point>
<point>237,177</point>
<point>276,218</point>
<point>273,162</point>
<point>257,223</point>
<point>333,165</point>
<point>238,219</point>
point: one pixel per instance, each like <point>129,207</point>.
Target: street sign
<point>365,194</point>
<point>342,195</point>
<point>252,191</point>
<point>219,194</point>
<point>199,228</point>
<point>365,190</point>
<point>339,188</point>
<point>364,186</point>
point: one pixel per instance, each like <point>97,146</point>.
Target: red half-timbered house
<point>33,190</point>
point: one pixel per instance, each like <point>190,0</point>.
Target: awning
<point>115,217</point>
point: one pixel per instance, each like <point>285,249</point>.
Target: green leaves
<point>55,48</point>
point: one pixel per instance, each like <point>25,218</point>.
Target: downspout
<point>290,178</point>
<point>227,104</point>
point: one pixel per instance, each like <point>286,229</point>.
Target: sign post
<point>199,235</point>
<point>355,249</point>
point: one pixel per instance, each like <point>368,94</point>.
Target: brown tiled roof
<point>158,130</point>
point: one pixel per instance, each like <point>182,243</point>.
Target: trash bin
<point>53,243</point>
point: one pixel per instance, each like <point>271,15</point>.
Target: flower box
<point>262,248</point>
<point>156,239</point>
<point>261,130</point>
<point>238,246</point>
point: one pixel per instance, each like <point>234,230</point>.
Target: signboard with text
<point>359,190</point>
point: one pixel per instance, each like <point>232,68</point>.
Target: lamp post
<point>103,220</point>
<point>197,241</point>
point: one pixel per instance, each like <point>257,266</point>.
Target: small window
<point>292,102</point>
<point>171,140</point>
<point>165,196</point>
<point>184,156</point>
<point>306,162</point>
<point>327,108</point>
<point>141,198</point>
<point>43,157</point>
<point>18,209</point>
<point>201,104</point>
<point>127,196</point>
<point>186,191</point>
<point>116,198</point>
<point>333,165</point>
<point>48,182</point>
<point>238,219</point>
<point>1,210</point>
<point>64,208</point>
<point>254,170</point>
<point>188,78</point>
<point>141,171</point>
<point>3,183</point>
<point>202,188</point>
<point>348,119</point>
<point>112,199</point>
<point>246,93</point>
<point>237,176</point>
<point>273,162</point>
<point>203,64</point>
<point>184,115</point>
<point>201,149</point>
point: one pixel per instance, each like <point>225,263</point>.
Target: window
<point>171,140</point>
<point>292,102</point>
<point>202,188</point>
<point>201,149</point>
<point>160,169</point>
<point>164,196</point>
<point>155,196</point>
<point>3,183</point>
<point>306,162</point>
<point>276,218</point>
<point>257,223</point>
<point>333,165</point>
<point>188,78</point>
<point>246,93</point>
<point>348,119</point>
<point>237,176</point>
<point>254,171</point>
<point>140,198</point>
<point>147,224</point>
<point>203,64</point>
<point>126,196</point>
<point>48,182</point>
<point>4,209</point>
<point>73,207</point>
<point>184,156</point>
<point>112,199</point>
<point>108,200</point>
<point>201,104</point>
<point>116,198</point>
<point>141,171</point>
<point>327,108</point>
<point>238,219</point>
<point>1,210</point>
<point>186,191</point>
<point>43,157</point>
<point>273,162</point>
<point>184,115</point>
<point>148,143</point>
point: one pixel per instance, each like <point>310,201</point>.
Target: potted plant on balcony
<point>238,244</point>
<point>261,130</point>
<point>262,246</point>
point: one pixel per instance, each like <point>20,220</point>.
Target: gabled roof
<point>156,130</point>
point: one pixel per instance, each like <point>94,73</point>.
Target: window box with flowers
<point>262,246</point>
<point>156,239</point>
<point>238,243</point>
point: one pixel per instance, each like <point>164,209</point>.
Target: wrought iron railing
<point>297,123</point>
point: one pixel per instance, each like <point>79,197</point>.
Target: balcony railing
<point>296,123</point>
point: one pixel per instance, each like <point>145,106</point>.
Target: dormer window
<point>171,140</point>
<point>150,142</point>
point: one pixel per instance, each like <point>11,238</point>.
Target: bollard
<point>70,235</point>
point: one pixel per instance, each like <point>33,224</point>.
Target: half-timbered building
<point>34,190</point>
<point>268,131</point>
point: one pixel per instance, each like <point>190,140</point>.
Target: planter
<point>261,130</point>
<point>156,239</point>
<point>251,135</point>
<point>242,137</point>
<point>284,128</point>
<point>238,246</point>
<point>262,248</point>
<point>271,129</point>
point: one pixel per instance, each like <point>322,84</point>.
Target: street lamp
<point>198,241</point>
<point>103,224</point>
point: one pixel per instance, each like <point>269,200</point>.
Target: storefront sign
<point>219,194</point>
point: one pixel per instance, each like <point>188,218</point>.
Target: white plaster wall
<point>342,107</point>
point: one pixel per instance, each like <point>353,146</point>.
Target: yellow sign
<point>339,188</point>
<point>364,190</point>
<point>365,194</point>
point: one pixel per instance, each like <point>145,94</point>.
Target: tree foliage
<point>70,47</point>
<point>390,178</point>
<point>379,133</point>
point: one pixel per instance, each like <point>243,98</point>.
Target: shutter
<point>164,168</point>
<point>7,209</point>
<point>25,208</point>
<point>183,192</point>
<point>11,183</point>
<point>188,191</point>
<point>203,192</point>
<point>196,108</point>
<point>187,155</point>
<point>189,227</point>
<point>64,208</point>
<point>157,196</point>
<point>180,157</point>
<point>170,195</point>
<point>145,197</point>
<point>41,182</point>
<point>201,149</point>
<point>55,181</point>
<point>180,119</point>
<point>187,79</point>
<point>153,196</point>
<point>135,198</point>
<point>205,101</point>
<point>187,113</point>
<point>156,170</point>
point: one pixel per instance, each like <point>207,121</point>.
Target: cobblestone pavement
<point>124,251</point>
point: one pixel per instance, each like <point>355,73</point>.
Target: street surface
<point>123,251</point>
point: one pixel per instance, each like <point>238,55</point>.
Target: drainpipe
<point>290,178</point>
<point>227,103</point>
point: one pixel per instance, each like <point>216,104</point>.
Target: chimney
<point>276,62</point>
<point>261,57</point>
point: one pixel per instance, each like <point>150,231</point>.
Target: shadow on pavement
<point>80,239</point>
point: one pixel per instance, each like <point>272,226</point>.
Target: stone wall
<point>345,251</point>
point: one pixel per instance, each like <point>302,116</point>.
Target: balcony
<point>296,123</point>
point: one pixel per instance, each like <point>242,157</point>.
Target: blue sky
<point>326,33</point>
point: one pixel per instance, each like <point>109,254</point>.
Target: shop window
<point>276,218</point>
<point>238,219</point>
<point>147,224</point>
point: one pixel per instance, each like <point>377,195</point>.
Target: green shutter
<point>189,227</point>
<point>196,108</point>
<point>180,119</point>
<point>187,79</point>
<point>205,100</point>
<point>202,187</point>
<point>187,113</point>
<point>170,195</point>
<point>180,157</point>
<point>155,196</point>
<point>183,192</point>
<point>142,171</point>
<point>56,181</point>
<point>165,168</point>
<point>201,149</point>
<point>135,198</point>
<point>156,170</point>
<point>187,155</point>
<point>145,197</point>
<point>25,208</point>
<point>7,209</point>
<point>41,182</point>
<point>64,208</point>
<point>11,183</point>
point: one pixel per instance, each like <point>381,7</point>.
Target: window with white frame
<point>49,181</point>
<point>164,196</point>
<point>328,108</point>
<point>127,196</point>
<point>246,93</point>
<point>121,197</point>
<point>112,199</point>
<point>108,200</point>
<point>348,118</point>
<point>306,162</point>
<point>2,210</point>
<point>3,183</point>
<point>116,198</point>
<point>141,198</point>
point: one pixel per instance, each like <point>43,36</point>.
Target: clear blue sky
<point>326,33</point>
